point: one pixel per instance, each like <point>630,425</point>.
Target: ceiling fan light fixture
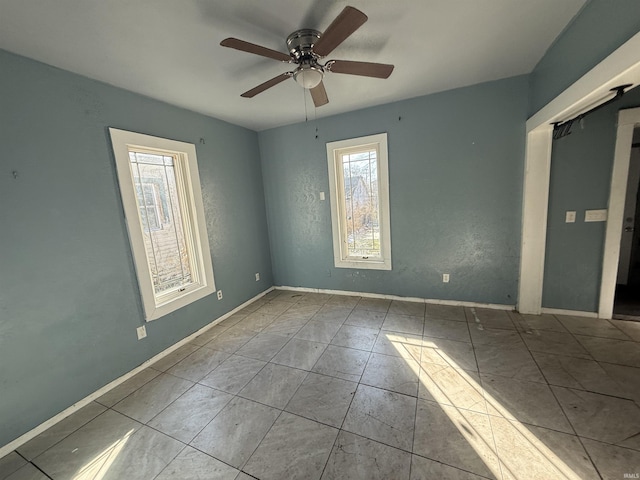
<point>308,76</point>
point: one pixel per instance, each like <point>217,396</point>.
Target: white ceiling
<point>169,49</point>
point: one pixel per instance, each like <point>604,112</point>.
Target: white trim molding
<point>453,303</point>
<point>619,68</point>
<point>627,121</point>
<point>34,432</point>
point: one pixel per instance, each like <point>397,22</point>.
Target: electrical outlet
<point>142,332</point>
<point>219,294</point>
<point>257,277</point>
<point>445,278</point>
<point>321,195</point>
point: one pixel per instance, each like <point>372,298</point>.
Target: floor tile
<point>60,430</point>
<point>423,468</point>
<point>562,448</point>
<point>595,327</point>
<point>366,318</point>
<point>233,374</point>
<point>381,415</point>
<point>361,338</point>
<point>332,314</point>
<point>299,353</point>
<point>608,350</point>
<point>374,304</point>
<point>192,464</point>
<point>545,321</point>
<point>523,455</point>
<point>127,387</point>
<point>233,319</point>
<point>87,449</point>
<point>512,361</point>
<point>291,296</point>
<point>445,312</point>
<point>321,332</point>
<point>627,376</point>
<point>263,346</point>
<point>399,345</point>
<point>414,309</point>
<point>632,329</point>
<point>613,462</point>
<point>490,318</point>
<point>557,343</point>
<point>231,340</point>
<point>469,440</point>
<point>275,307</point>
<point>528,402</point>
<point>286,326</point>
<point>11,463</point>
<point>301,311</point>
<point>190,413</point>
<point>315,298</point>
<point>198,365</point>
<point>294,448</point>
<point>177,355</point>
<point>601,417</point>
<point>494,336</point>
<point>346,301</point>
<point>452,386</point>
<point>579,373</point>
<point>274,385</point>
<point>208,335</point>
<point>403,324</point>
<point>341,362</point>
<point>146,402</point>
<point>392,373</point>
<point>449,352</point>
<point>358,458</point>
<point>257,321</point>
<point>449,329</point>
<point>272,295</point>
<point>236,431</point>
<point>323,399</point>
<point>27,472</point>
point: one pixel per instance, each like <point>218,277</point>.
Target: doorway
<point>627,295</point>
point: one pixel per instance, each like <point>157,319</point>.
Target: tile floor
<point>313,386</point>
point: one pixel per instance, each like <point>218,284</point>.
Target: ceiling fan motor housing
<point>300,44</point>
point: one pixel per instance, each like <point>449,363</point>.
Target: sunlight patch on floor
<point>98,467</point>
<point>505,445</point>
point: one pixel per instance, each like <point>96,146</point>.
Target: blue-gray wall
<point>581,166</point>
<point>455,168</point>
<point>69,303</point>
<point>599,29</point>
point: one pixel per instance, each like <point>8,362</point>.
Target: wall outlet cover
<point>219,294</point>
<point>570,217</point>
<point>445,278</point>
<point>142,332</point>
<point>257,277</point>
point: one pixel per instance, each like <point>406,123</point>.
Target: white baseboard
<point>13,445</point>
<point>572,313</point>
<point>454,303</point>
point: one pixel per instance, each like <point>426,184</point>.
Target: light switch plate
<point>321,195</point>
<point>595,215</point>
<point>142,332</point>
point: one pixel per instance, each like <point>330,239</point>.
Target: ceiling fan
<point>306,48</point>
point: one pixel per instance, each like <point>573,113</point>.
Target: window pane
<point>360,172</point>
<point>160,214</point>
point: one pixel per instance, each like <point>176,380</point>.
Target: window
<point>359,194</point>
<point>160,190</point>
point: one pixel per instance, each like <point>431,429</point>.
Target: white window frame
<point>336,180</point>
<point>192,210</point>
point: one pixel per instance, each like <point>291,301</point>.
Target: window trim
<point>340,255</point>
<point>156,306</point>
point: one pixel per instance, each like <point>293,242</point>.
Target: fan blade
<point>319,95</point>
<point>255,49</point>
<point>366,69</point>
<point>349,20</point>
<point>268,84</point>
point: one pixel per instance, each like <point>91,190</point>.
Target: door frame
<point>620,67</point>
<point>627,121</point>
